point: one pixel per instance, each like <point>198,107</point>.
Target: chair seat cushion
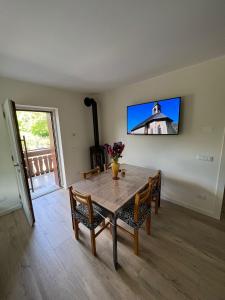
<point>126,214</point>
<point>81,214</point>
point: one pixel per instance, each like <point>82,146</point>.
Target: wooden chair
<point>156,190</point>
<point>88,214</point>
<point>90,173</point>
<point>136,211</point>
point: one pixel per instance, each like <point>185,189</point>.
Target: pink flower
<point>115,150</point>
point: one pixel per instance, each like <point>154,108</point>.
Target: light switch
<point>204,157</point>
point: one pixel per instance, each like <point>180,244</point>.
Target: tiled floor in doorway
<point>43,185</point>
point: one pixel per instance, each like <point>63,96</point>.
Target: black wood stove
<point>98,153</point>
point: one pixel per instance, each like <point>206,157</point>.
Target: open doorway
<point>37,136</point>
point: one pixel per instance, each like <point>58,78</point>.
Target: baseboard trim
<point>194,208</point>
<point>10,210</point>
<point>164,197</point>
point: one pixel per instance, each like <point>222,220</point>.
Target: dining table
<point>112,194</point>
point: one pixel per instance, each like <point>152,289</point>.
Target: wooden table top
<point>113,194</point>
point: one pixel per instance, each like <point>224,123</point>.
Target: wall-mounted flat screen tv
<point>154,118</point>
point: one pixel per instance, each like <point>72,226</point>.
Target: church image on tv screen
<point>159,117</point>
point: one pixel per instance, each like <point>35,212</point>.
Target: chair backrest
<point>107,166</point>
<point>90,173</point>
<point>156,182</point>
<point>144,196</point>
<point>75,197</point>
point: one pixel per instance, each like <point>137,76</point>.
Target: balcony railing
<point>40,161</point>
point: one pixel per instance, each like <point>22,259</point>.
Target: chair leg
<point>73,223</point>
<point>93,244</point>
<point>156,206</point>
<point>159,199</point>
<point>136,243</point>
<point>76,229</point>
<point>110,228</point>
<point>148,225</point>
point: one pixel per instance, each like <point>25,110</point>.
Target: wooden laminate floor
<point>183,259</point>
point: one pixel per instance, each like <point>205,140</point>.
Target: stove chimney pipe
<point>91,102</point>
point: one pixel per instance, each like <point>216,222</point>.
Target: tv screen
<point>153,118</point>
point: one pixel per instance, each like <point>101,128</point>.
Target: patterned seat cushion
<point>126,214</point>
<point>81,214</point>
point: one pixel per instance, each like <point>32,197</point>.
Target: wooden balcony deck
<point>40,169</point>
<point>43,184</point>
<point>40,161</point>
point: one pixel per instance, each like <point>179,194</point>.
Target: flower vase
<point>115,169</point>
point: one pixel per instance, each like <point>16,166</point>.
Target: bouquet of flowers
<point>115,150</point>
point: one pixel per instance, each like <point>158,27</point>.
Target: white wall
<point>187,181</point>
<point>74,117</point>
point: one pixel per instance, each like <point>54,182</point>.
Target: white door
<point>18,159</point>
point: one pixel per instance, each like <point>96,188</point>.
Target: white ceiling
<point>94,45</point>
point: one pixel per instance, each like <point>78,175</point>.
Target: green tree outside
<point>34,126</point>
<point>40,128</point>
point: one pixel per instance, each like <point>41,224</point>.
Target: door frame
<point>220,181</point>
<point>57,135</point>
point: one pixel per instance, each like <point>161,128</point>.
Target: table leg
<point>114,234</point>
